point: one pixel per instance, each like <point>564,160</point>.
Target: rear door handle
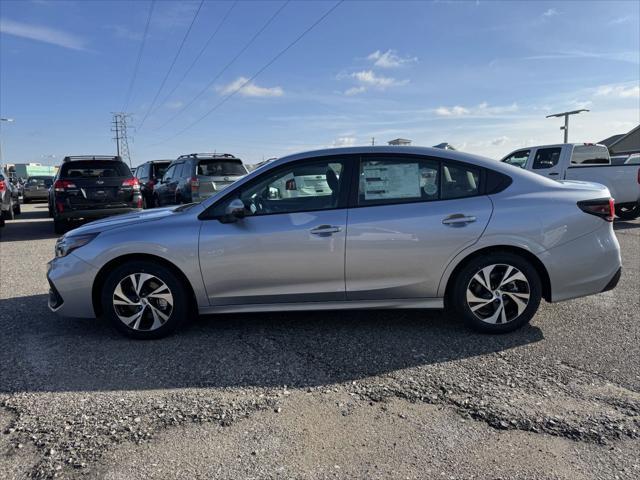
<point>325,230</point>
<point>458,219</point>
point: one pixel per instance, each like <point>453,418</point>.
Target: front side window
<point>546,158</point>
<point>398,180</point>
<point>518,159</point>
<point>300,187</point>
<point>169,173</point>
<point>159,169</point>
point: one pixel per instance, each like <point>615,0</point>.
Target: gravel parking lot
<point>377,394</point>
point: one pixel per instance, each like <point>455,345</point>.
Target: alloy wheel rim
<point>142,301</point>
<point>498,293</point>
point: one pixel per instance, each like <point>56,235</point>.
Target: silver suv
<point>385,227</point>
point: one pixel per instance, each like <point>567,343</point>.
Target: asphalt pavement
<point>368,394</point>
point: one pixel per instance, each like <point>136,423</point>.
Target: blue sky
<point>479,75</point>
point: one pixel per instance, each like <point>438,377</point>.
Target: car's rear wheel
<point>497,293</point>
<point>144,300</point>
<point>628,212</point>
<point>25,200</point>
<point>16,208</point>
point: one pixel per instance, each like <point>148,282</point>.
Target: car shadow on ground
<point>29,225</point>
<point>625,224</point>
<point>42,352</point>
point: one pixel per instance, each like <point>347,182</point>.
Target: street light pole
<point>566,121</point>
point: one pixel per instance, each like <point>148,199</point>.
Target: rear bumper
<point>43,195</point>
<point>96,213</point>
<point>585,266</point>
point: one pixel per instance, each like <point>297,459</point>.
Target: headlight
<point>66,245</point>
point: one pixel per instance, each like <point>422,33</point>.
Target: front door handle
<point>553,173</point>
<point>458,219</point>
<point>325,230</point>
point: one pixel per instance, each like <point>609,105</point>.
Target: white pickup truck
<point>586,162</point>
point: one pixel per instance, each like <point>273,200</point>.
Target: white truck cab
<point>585,162</point>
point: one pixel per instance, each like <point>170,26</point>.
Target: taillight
<point>602,207</point>
<point>62,185</point>
<point>195,184</point>
<point>132,183</point>
<point>3,186</point>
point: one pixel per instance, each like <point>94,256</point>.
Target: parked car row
<point>9,199</point>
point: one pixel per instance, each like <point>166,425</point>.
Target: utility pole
<point>566,121</point>
<point>121,136</point>
<point>373,141</point>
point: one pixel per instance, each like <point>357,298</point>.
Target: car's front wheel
<point>145,300</point>
<point>497,293</point>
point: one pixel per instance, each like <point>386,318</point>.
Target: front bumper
<point>70,281</point>
<point>96,213</point>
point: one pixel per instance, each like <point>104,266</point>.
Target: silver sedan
<point>369,227</point>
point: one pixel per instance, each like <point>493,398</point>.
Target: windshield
<point>40,181</point>
<point>95,168</point>
<point>221,168</point>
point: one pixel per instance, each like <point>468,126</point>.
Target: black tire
<point>2,222</point>
<point>11,213</point>
<point>463,281</point>
<point>59,226</point>
<point>627,212</point>
<point>25,200</point>
<point>177,315</point>
<point>16,208</point>
<point>145,205</point>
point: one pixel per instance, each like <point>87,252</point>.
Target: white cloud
<point>122,32</point>
<point>42,34</point>
<point>500,141</point>
<point>484,109</point>
<point>174,105</point>
<point>249,89</point>
<point>618,91</point>
<point>620,20</point>
<point>552,12</point>
<point>344,142</point>
<point>369,79</point>
<point>389,59</point>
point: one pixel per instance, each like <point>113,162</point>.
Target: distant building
<point>400,141</point>
<point>623,144</point>
<point>444,146</point>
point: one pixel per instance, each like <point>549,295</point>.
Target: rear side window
<point>216,168</point>
<point>546,158</point>
<point>398,180</point>
<point>185,171</point>
<point>518,159</point>
<point>590,155</point>
<point>94,168</point>
<point>459,181</point>
<point>159,169</point>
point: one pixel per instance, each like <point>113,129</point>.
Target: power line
<point>204,47</point>
<point>175,58</point>
<point>224,69</point>
<point>224,99</point>
<point>137,66</point>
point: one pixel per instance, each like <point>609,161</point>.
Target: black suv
<point>149,173</point>
<point>89,187</point>
<point>194,177</point>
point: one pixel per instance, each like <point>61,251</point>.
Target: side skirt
<point>417,303</point>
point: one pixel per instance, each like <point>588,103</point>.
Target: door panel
<point>275,258</point>
<point>400,251</point>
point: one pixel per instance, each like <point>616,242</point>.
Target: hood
<point>123,220</point>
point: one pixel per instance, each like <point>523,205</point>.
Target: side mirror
<point>234,211</point>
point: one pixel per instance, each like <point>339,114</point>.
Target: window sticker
<point>391,181</point>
